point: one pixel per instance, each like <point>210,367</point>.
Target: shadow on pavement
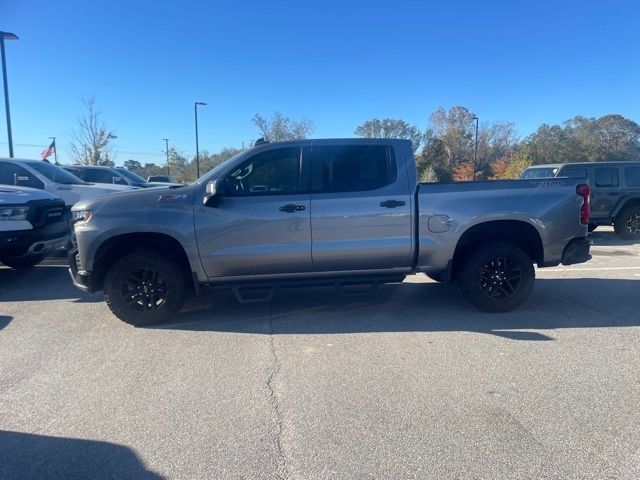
<point>4,321</point>
<point>27,456</point>
<point>610,239</point>
<point>47,281</point>
<point>420,307</point>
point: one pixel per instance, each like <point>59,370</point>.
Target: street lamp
<point>166,143</point>
<point>195,108</point>
<point>475,154</point>
<point>7,36</point>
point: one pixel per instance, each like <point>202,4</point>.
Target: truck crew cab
<point>324,212</point>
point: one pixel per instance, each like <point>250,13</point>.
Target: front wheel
<point>21,263</point>
<point>497,277</point>
<point>145,288</point>
<point>627,225</point>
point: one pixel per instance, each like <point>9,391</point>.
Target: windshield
<point>55,173</point>
<point>130,175</point>
<point>532,173</point>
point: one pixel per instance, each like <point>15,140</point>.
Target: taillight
<point>583,191</point>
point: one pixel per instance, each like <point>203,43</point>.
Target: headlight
<point>14,213</point>
<point>80,215</point>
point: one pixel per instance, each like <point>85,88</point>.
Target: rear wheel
<point>627,225</point>
<point>497,277</point>
<point>145,288</point>
<point>592,227</point>
<point>20,263</point>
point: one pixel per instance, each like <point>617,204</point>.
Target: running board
<point>254,294</point>
<point>363,288</point>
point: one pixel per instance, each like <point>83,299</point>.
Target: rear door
<point>260,224</point>
<point>360,208</point>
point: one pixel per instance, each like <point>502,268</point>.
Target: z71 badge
<point>169,197</point>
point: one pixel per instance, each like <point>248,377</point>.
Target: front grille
<point>48,214</point>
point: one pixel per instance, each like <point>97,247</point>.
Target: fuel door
<point>439,223</point>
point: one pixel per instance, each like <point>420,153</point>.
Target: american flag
<point>47,152</point>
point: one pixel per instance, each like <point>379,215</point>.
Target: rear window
<point>606,177</point>
<point>574,173</point>
<point>533,173</point>
<point>98,175</point>
<point>351,168</point>
<point>632,176</point>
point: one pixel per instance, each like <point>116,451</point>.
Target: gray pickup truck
<point>345,212</point>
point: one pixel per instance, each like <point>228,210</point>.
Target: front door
<point>260,224</point>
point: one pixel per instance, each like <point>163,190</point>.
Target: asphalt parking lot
<point>413,383</point>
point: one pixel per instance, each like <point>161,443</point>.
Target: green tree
<point>133,166</point>
<point>450,142</point>
<point>390,128</point>
<point>582,139</point>
<point>433,162</point>
<point>179,167</point>
<point>520,161</point>
<point>280,128</point>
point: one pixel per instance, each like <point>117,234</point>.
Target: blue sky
<point>338,63</point>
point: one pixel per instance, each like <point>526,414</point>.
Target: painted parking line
<point>592,269</point>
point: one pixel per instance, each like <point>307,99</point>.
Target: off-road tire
<point>145,288</point>
<point>497,277</point>
<point>627,224</point>
<point>22,263</point>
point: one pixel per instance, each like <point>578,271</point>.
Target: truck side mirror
<point>214,189</point>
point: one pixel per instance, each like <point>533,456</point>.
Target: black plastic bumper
<point>577,251</point>
<point>16,244</point>
<point>80,278</point>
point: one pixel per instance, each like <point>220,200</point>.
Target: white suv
<point>53,179</point>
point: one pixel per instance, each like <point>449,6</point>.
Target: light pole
<point>475,153</point>
<point>7,36</point>
<point>195,108</point>
<point>166,143</point>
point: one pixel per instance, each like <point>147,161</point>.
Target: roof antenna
<point>260,141</point>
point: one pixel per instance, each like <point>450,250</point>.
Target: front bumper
<point>577,251</point>
<point>81,279</point>
<point>33,242</point>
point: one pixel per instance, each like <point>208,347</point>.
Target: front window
<point>55,173</point>
<point>274,172</point>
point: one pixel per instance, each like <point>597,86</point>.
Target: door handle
<point>392,203</point>
<point>290,208</point>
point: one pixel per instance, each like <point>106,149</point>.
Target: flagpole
<point>55,150</point>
